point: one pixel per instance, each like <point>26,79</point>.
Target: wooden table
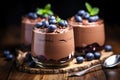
<point>10,38</point>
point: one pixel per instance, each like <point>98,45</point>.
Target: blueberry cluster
<point>92,54</point>
<point>82,14</point>
<point>9,56</point>
<point>33,15</point>
<point>52,23</point>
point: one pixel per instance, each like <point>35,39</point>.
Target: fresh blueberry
<point>79,59</point>
<point>86,15</point>
<point>78,18</point>
<point>52,27</point>
<point>6,52</point>
<point>97,55</point>
<point>61,23</point>
<point>52,21</point>
<point>51,18</point>
<point>28,57</point>
<point>31,63</point>
<point>45,24</point>
<point>39,24</point>
<point>93,18</point>
<point>108,48</point>
<point>89,56</point>
<point>9,57</point>
<point>81,12</point>
<point>32,15</point>
<point>66,23</point>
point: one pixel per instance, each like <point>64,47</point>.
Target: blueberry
<point>97,55</point>
<point>45,24</point>
<point>9,57</point>
<point>6,52</point>
<point>51,18</point>
<point>52,27</point>
<point>86,15</point>
<point>61,23</point>
<point>39,24</point>
<point>78,18</point>
<point>81,12</point>
<point>89,56</point>
<point>79,59</point>
<point>31,63</point>
<point>32,15</point>
<point>66,23</point>
<point>28,57</point>
<point>108,48</point>
<point>52,21</point>
<point>93,18</point>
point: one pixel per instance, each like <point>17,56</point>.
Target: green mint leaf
<point>50,12</point>
<point>58,19</point>
<point>48,6</point>
<point>46,10</point>
<point>89,7</point>
<point>40,11</point>
<point>94,11</point>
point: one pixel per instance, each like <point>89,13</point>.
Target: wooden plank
<point>93,75</point>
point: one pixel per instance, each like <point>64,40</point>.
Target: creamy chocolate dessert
<point>52,43</point>
<point>88,30</point>
<point>26,30</point>
<point>28,21</point>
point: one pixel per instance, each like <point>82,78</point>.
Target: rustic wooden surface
<point>10,38</point>
<point>72,67</point>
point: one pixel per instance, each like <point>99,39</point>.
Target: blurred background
<point>12,12</point>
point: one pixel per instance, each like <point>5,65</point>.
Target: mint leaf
<point>88,6</point>
<point>49,12</point>
<point>48,6</point>
<point>94,11</point>
<point>40,11</point>
<point>58,19</point>
<point>45,11</point>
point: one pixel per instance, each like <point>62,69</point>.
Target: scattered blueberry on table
<point>8,55</point>
<point>79,59</point>
<point>97,55</point>
<point>89,56</point>
<point>108,48</point>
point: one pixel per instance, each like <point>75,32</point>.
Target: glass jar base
<point>51,65</point>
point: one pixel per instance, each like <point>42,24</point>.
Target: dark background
<point>12,11</point>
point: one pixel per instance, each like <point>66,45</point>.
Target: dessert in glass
<point>89,33</point>
<point>28,21</point>
<point>52,43</point>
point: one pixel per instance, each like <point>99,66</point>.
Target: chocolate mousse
<point>88,29</point>
<point>53,45</point>
<point>86,33</point>
<point>26,30</point>
<point>28,21</point>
